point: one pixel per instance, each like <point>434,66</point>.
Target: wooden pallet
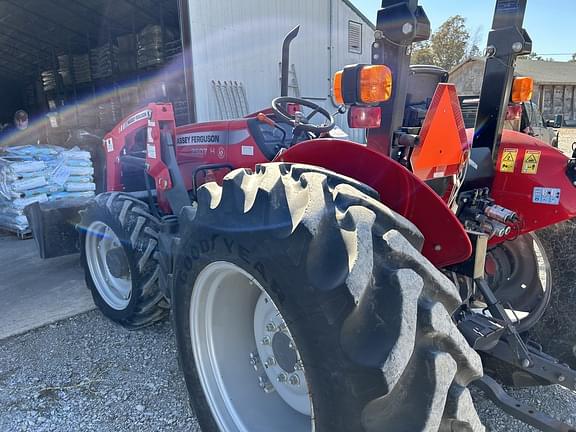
<point>20,234</point>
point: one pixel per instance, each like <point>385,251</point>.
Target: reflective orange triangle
<point>443,139</point>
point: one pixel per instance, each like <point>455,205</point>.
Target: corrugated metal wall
<point>242,41</point>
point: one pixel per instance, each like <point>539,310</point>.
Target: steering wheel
<point>299,121</point>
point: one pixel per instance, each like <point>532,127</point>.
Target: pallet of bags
<point>18,178</point>
<point>30,174</point>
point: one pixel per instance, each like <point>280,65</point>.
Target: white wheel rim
<point>229,313</point>
<point>115,291</point>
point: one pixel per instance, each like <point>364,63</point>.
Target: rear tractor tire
<point>302,303</point>
<point>118,241</point>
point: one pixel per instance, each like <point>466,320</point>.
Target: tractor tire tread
<point>400,355</point>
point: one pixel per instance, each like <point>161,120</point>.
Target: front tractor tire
<point>118,242</point>
<point>301,303</point>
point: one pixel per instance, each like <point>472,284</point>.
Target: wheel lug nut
<point>298,366</point>
<point>270,362</point>
<point>294,380</point>
<point>282,378</point>
<point>270,327</point>
<point>254,360</point>
<point>282,326</point>
<point>265,384</point>
<point>265,340</point>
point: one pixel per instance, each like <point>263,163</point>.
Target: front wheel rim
<point>100,240</point>
<point>235,331</point>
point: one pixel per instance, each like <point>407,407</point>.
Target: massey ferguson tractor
<point>318,284</point>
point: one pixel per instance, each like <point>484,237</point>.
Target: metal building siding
<point>242,42</point>
<point>341,56</point>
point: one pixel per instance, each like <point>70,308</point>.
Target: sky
<point>551,24</point>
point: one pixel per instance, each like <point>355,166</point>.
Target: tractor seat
<point>422,84</point>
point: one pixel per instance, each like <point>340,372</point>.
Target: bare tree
<point>473,49</point>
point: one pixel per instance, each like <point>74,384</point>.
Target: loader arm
<point>152,133</point>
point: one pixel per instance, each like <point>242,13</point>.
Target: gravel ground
<point>87,374</point>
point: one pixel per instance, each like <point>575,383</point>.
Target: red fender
<point>522,191</point>
<point>445,243</point>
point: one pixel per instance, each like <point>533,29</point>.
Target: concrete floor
<point>35,292</point>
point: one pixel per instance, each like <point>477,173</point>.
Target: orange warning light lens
<point>375,84</point>
<point>338,88</point>
<point>522,89</point>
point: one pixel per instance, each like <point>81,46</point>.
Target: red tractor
<point>320,284</point>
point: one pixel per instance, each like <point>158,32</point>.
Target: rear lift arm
<point>517,409</point>
<point>482,332</point>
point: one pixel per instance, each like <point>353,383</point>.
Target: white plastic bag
<point>29,183</point>
<point>27,166</point>
<point>79,187</point>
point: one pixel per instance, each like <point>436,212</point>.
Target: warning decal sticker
<point>508,161</point>
<point>109,145</point>
<point>531,161</point>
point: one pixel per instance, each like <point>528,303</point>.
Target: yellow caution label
<point>508,161</point>
<point>531,162</point>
